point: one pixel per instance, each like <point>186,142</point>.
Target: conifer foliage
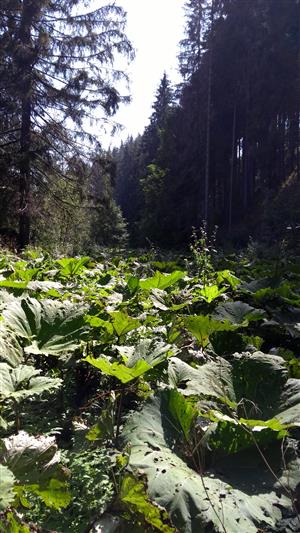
<point>56,69</point>
<point>231,143</point>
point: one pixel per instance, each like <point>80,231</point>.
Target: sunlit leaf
<point>23,382</point>
<point>50,327</point>
<point>161,281</point>
<point>203,326</point>
<point>134,495</point>
<point>7,481</point>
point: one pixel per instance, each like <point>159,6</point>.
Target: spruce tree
<point>57,65</point>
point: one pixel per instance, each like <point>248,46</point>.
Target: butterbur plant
<point>161,421</point>
<point>202,248</point>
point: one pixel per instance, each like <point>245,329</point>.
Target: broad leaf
<point>227,277</point>
<point>122,323</point>
<point>257,382</point>
<point>133,494</point>
<point>161,281</point>
<point>232,434</point>
<point>137,359</point>
<point>209,293</point>
<point>69,267</point>
<point>7,481</point>
<point>23,382</point>
<point>222,496</point>
<point>288,320</point>
<point>35,464</point>
<point>212,380</point>
<point>151,351</point>
<point>119,370</point>
<point>203,326</point>
<point>51,327</point>
<point>238,313</point>
<point>54,493</point>
<point>10,350</point>
<point>182,411</point>
<point>254,389</point>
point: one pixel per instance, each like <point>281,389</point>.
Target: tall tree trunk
<point>298,146</point>
<point>208,126</point>
<point>24,184</point>
<point>246,144</point>
<point>25,69</point>
<point>233,152</point>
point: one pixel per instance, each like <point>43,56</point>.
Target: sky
<point>154,28</point>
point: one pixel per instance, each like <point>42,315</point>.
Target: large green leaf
<point>288,320</point>
<point>232,434</point>
<point>54,493</point>
<point>254,390</point>
<point>257,379</point>
<point>10,349</point>
<point>23,382</point>
<point>183,411</point>
<point>122,323</point>
<point>223,496</point>
<point>51,327</point>
<point>35,463</point>
<point>71,266</point>
<point>209,293</point>
<point>227,277</point>
<point>150,350</point>
<point>133,494</point>
<point>161,281</point>
<point>119,370</point>
<point>202,326</point>
<point>212,380</point>
<point>137,360</point>
<point>7,481</point>
<point>238,313</point>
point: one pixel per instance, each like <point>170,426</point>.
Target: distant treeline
<point>224,146</point>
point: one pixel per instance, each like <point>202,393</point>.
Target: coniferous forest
<point>150,293</point>
<point>224,146</point>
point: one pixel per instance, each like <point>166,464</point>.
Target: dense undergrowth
<point>150,394</point>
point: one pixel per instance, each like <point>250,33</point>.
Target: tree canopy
<point>57,69</point>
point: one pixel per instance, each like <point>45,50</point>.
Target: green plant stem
<point>17,417</point>
<point>119,412</point>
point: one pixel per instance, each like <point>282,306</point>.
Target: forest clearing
<point>150,285</point>
<point>161,394</point>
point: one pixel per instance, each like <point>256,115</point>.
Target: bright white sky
<point>155,28</point>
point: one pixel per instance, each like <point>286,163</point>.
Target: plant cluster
<point>136,394</point>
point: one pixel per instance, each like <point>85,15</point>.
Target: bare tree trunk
<point>208,127</point>
<point>24,184</point>
<point>233,151</point>
<point>25,69</point>
<point>298,147</point>
<point>246,146</point>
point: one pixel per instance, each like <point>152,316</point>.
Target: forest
<point>150,292</point>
